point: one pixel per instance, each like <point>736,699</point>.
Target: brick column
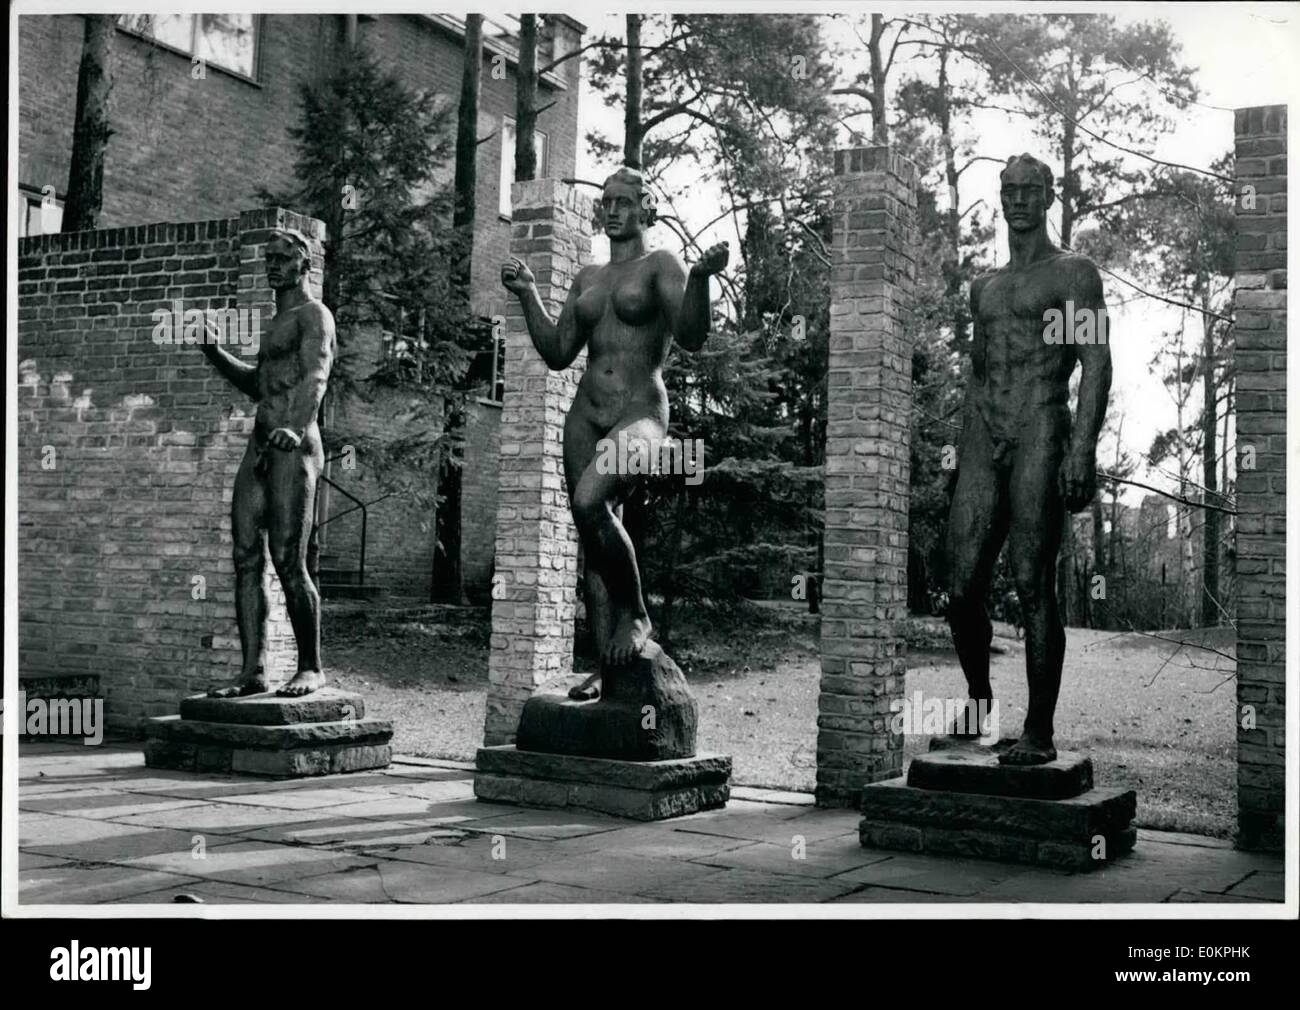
<point>1260,359</point>
<point>536,576</point>
<point>869,406</point>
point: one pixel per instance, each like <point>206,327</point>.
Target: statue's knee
<point>248,559</point>
<point>588,509</point>
<point>1030,594</point>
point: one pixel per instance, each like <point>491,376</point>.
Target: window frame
<point>258,28</point>
<point>504,174</point>
<point>29,196</point>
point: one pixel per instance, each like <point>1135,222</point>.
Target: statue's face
<point>621,206</point>
<point>1025,198</point>
<point>285,266</point>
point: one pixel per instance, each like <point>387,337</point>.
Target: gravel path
<point>1156,716</point>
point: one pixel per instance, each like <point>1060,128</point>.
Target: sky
<point>1244,55</point>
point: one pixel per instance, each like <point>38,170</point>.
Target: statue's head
<point>626,207</point>
<point>1026,192</point>
<point>288,258</point>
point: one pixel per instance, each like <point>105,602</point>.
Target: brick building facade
<point>189,148</point>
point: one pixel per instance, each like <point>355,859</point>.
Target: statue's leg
<point>247,524</point>
<point>608,547</point>
<point>292,490</point>
<point>1036,517</point>
<point>977,527</point>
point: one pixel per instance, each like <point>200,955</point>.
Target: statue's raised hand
<point>714,260</point>
<point>516,277</point>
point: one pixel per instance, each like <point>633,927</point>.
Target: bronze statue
<point>275,489</point>
<point>1021,463</point>
<point>627,313</point>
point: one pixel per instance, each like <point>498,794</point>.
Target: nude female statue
<point>626,312</point>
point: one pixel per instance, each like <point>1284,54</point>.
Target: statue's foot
<point>627,641</point>
<point>244,684</point>
<point>1028,751</point>
<point>304,682</point>
<point>584,692</point>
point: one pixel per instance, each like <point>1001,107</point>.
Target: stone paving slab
<point>91,885</point>
<point>96,826</point>
<point>400,882</point>
<point>815,859</point>
<point>217,892</point>
<point>255,863</point>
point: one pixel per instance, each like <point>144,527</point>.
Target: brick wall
<point>127,453</point>
<point>536,544</point>
<point>1260,360</point>
<point>864,598</point>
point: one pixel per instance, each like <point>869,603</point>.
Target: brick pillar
<point>1260,359</point>
<point>869,407</point>
<point>255,294</point>
<point>536,573</point>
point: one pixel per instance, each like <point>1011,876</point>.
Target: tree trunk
<point>91,128</point>
<point>526,101</point>
<point>632,135</point>
<point>879,127</point>
<point>952,220</point>
<point>467,132</point>
<point>1209,450</point>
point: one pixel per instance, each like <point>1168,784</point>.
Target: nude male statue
<point>1021,463</point>
<point>275,489</point>
<point>627,312</point>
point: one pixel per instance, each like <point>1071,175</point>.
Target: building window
<point>39,213</point>
<point>228,41</point>
<point>508,161</point>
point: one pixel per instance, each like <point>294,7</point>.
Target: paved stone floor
<point>96,826</point>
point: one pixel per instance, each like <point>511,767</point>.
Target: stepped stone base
<point>640,790</point>
<point>322,733</point>
<point>959,801</point>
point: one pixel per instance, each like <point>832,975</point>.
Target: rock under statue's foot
<point>588,690</point>
<point>304,682</point>
<point>244,684</point>
<point>1028,750</point>
<point>627,641</point>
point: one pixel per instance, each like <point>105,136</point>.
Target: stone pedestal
<point>645,713</point>
<point>960,801</point>
<point>323,733</point>
<point>630,753</point>
<point>641,790</point>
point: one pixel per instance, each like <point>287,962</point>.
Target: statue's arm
<point>1094,360</point>
<point>239,374</point>
<point>316,355</point>
<point>558,341</point>
<point>684,296</point>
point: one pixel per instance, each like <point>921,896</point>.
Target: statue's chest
<point>280,340</point>
<point>1020,296</point>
